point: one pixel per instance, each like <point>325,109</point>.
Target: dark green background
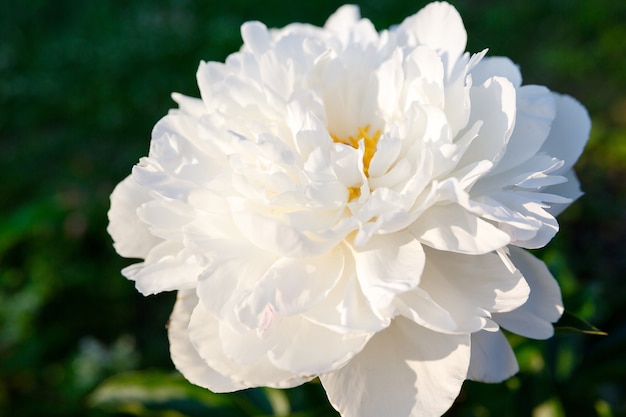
<point>82,84</point>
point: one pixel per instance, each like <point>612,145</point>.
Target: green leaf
<point>153,393</point>
<point>570,323</point>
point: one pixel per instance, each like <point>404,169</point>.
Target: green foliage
<point>82,84</point>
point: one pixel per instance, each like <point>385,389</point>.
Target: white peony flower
<point>353,205</point>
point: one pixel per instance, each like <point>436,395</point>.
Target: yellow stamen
<point>370,142</point>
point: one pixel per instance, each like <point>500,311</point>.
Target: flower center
<point>369,141</point>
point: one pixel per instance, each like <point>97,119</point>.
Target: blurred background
<point>82,84</point>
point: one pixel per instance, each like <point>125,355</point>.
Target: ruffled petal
<point>472,287</point>
<point>186,357</point>
<point>452,228</point>
<point>544,305</point>
<point>205,336</point>
<point>131,236</point>
<point>405,370</point>
<point>388,265</point>
<point>168,266</point>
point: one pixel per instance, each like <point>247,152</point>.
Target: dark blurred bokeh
<point>82,84</point>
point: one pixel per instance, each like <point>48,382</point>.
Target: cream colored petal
<point>405,370</point>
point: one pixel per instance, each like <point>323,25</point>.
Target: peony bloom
<point>354,205</point>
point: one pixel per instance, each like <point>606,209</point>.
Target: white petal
<point>293,285</point>
<point>417,305</point>
<point>493,103</point>
<point>452,228</point>
<point>256,37</point>
<point>184,355</point>
<point>544,306</point>
<point>306,348</point>
<point>499,66</point>
<point>440,27</point>
<point>131,236</point>
<point>388,265</point>
<point>493,359</point>
<point>204,333</point>
<point>190,105</point>
<point>569,132</point>
<point>570,189</point>
<point>168,266</point>
<point>536,110</point>
<point>471,287</point>
<point>224,283</point>
<point>346,16</point>
<point>275,236</point>
<point>405,370</point>
<point>346,309</point>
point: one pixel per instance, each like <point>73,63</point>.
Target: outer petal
<point>440,27</point>
<point>168,267</point>
<point>452,228</point>
<point>186,357</point>
<point>405,370</point>
<point>131,237</point>
<point>569,189</point>
<point>204,333</point>
<point>544,306</point>
<point>471,287</point>
<point>346,16</point>
<point>493,359</point>
<point>569,133</point>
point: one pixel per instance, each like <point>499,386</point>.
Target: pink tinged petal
<point>544,306</point>
<point>472,287</point>
<point>345,309</point>
<point>205,336</point>
<point>569,133</point>
<point>308,349</point>
<point>186,357</point>
<point>450,227</point>
<point>292,344</point>
<point>405,370</point>
<point>439,27</point>
<point>226,281</point>
<point>294,285</point>
<point>168,267</point>
<point>131,236</point>
<point>388,265</point>
<point>493,103</point>
<point>492,358</point>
